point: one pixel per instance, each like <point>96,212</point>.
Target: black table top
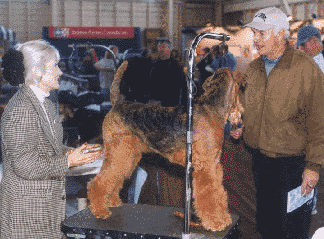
<point>141,219</point>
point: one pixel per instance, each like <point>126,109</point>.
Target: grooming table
<point>91,168</point>
<point>138,221</point>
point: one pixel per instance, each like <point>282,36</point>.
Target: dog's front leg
<point>120,161</point>
<point>210,197</point>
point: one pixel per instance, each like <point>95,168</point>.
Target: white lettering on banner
<point>78,32</point>
<point>99,32</point>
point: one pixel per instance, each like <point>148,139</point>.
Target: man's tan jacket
<point>284,112</point>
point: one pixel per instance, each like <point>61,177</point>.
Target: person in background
<point>175,55</point>
<point>225,59</point>
<point>206,60</point>
<point>32,191</point>
<point>164,48</point>
<point>117,58</point>
<point>153,53</point>
<point>283,127</point>
<point>145,53</point>
<point>229,59</point>
<point>309,41</point>
<point>91,51</point>
<point>215,56</point>
<point>161,78</point>
<point>106,66</point>
<point>169,77</point>
<point>91,72</point>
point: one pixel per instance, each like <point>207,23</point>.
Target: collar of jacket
<point>35,101</point>
<point>284,63</point>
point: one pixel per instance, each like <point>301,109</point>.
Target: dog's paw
<point>116,202</point>
<point>214,226</point>
<point>102,213</point>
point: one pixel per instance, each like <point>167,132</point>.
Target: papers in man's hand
<point>93,107</point>
<point>296,200</point>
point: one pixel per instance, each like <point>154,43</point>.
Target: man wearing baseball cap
<point>309,41</point>
<point>283,128</point>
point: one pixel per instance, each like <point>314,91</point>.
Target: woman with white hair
<point>35,161</point>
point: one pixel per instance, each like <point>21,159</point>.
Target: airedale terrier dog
<point>131,129</point>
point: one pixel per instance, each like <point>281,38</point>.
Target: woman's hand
<point>80,156</point>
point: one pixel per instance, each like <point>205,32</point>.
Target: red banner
<point>91,32</point>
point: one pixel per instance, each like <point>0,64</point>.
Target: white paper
<point>296,199</point>
<point>93,107</point>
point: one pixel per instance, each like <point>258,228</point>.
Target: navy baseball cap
<point>306,32</point>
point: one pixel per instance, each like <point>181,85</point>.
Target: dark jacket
<point>203,74</point>
<point>32,192</point>
<point>146,80</point>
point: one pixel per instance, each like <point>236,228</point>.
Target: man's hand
<point>310,179</point>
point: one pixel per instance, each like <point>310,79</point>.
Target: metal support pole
<point>171,22</point>
<point>192,55</point>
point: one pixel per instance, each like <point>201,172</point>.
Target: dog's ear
<point>214,80</point>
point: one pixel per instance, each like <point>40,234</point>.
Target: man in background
<point>223,59</point>
<point>117,58</point>
<point>309,41</point>
<point>91,51</point>
<point>206,60</point>
<point>283,128</point>
<point>106,66</point>
<point>169,77</point>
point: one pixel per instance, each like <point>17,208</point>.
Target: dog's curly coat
<point>131,129</point>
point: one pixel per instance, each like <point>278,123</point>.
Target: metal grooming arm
<point>192,55</point>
